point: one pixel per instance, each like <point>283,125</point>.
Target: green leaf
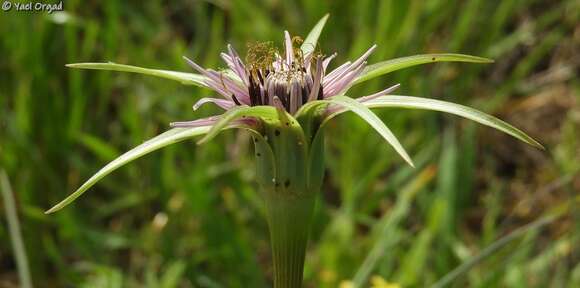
<point>452,108</point>
<point>388,66</point>
<point>170,137</point>
<point>182,77</point>
<point>266,113</point>
<point>373,120</point>
<point>312,38</point>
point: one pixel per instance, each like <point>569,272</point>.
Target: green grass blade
<point>452,108</point>
<point>491,249</point>
<point>312,38</point>
<point>170,137</point>
<point>266,113</point>
<point>15,231</point>
<point>182,77</point>
<point>388,66</point>
<point>373,120</point>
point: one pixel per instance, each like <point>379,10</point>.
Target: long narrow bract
<point>169,137</point>
<point>410,102</point>
<point>182,77</point>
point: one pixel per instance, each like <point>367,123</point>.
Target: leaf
<point>267,113</point>
<point>169,137</point>
<point>311,40</point>
<point>373,120</point>
<point>182,77</point>
<point>452,108</point>
<point>389,66</point>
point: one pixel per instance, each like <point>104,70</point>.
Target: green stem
<point>289,222</point>
<point>289,173</point>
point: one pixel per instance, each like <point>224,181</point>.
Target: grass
<point>188,215</point>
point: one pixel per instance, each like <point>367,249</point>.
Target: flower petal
<point>381,93</point>
<point>289,49</point>
<point>221,83</point>
<point>222,103</point>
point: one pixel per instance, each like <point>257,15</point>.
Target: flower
<point>286,81</point>
<point>285,100</point>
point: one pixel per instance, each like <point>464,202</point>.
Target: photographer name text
<point>32,6</point>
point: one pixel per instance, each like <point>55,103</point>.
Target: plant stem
<point>289,172</point>
<point>289,222</point>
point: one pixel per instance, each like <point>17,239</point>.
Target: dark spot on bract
<point>433,58</point>
<point>287,183</point>
<point>287,124</point>
<point>277,132</point>
<point>258,154</point>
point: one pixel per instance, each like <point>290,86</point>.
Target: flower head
<point>285,80</point>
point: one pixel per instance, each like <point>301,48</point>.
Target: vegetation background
<point>188,216</point>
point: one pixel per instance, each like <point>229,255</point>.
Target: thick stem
<point>290,171</point>
<point>289,222</point>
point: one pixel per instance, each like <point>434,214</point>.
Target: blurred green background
<point>188,216</point>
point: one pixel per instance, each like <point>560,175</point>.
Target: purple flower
<point>285,80</point>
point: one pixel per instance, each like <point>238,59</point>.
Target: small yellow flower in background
<point>328,276</point>
<point>380,282</point>
<point>346,284</point>
<point>376,282</point>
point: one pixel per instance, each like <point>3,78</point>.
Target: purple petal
<point>336,72</point>
<point>223,103</point>
<point>196,123</point>
<point>364,57</point>
<point>335,108</point>
<point>228,85</point>
<point>341,83</point>
<point>209,121</point>
<point>210,82</point>
<point>289,48</point>
<point>339,73</point>
<point>378,94</point>
<point>239,66</point>
<point>317,79</point>
<point>221,83</point>
<point>327,61</point>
